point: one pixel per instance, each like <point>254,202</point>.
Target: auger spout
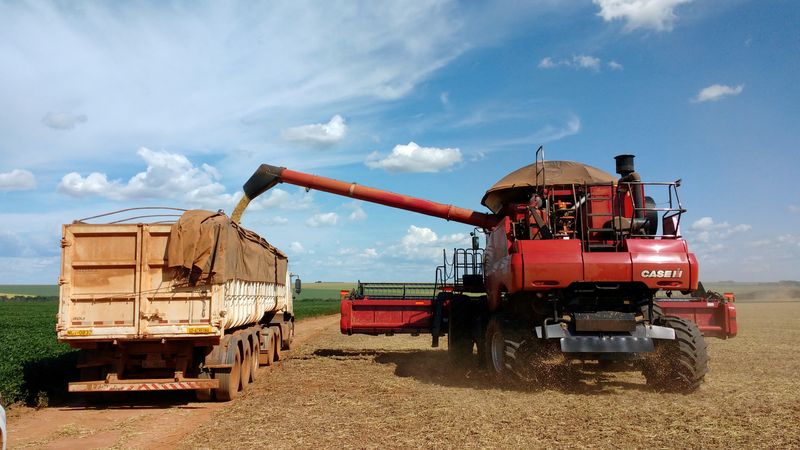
<point>268,176</point>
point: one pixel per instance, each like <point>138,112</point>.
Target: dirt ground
<point>368,392</point>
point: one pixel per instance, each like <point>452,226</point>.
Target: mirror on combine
<point>476,241</point>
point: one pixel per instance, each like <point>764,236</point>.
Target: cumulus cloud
<point>658,15</point>
<point>277,198</point>
<point>318,134</point>
<point>323,220</point>
<point>580,62</point>
<point>413,158</point>
<point>357,213</point>
<point>17,180</point>
<point>424,243</point>
<point>168,175</point>
<point>63,120</point>
<point>706,230</point>
<point>716,92</point>
<point>794,208</point>
<point>613,65</point>
<point>296,247</point>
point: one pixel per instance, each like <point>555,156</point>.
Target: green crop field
<point>323,291</point>
<point>33,365</point>
<point>25,290</point>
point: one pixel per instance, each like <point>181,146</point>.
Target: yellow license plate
<point>79,332</point>
<point>199,330</point>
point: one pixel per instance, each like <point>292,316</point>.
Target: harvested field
<point>369,392</point>
<point>390,392</point>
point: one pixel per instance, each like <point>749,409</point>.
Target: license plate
<point>79,332</point>
<point>199,330</point>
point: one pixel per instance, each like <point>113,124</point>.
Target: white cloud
<point>581,62</point>
<point>716,92</point>
<point>369,253</point>
<point>424,243</point>
<point>62,120</point>
<point>705,230</point>
<point>547,63</point>
<point>587,62</point>
<point>658,15</point>
<point>444,97</point>
<point>277,220</point>
<point>323,220</point>
<point>794,208</point>
<point>277,198</point>
<point>318,134</point>
<point>357,213</point>
<point>17,180</point>
<point>413,158</point>
<point>168,175</point>
<point>296,247</point>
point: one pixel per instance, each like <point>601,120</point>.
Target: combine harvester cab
<point>197,304</point>
<point>573,261</point>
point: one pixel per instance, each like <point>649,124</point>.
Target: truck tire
<point>459,330</point>
<point>278,354</point>
<point>203,395</point>
<point>255,349</point>
<point>678,365</point>
<point>287,341</point>
<point>247,363</point>
<point>229,379</point>
<point>268,350</point>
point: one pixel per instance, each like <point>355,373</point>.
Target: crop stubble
<point>370,392</point>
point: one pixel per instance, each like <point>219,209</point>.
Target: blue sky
<point>110,105</point>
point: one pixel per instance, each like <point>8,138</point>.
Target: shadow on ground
<point>435,367</point>
<point>46,380</point>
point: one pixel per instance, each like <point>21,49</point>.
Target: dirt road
<point>368,392</point>
<point>158,421</point>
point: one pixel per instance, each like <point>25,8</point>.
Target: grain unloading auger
<point>572,265</point>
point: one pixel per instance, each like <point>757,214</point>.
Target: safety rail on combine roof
<point>615,229</point>
<point>166,212</point>
<point>672,213</point>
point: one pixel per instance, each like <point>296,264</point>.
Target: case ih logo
<point>662,273</point>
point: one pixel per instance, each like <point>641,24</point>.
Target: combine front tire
<point>679,365</point>
<point>459,333</point>
<point>503,348</point>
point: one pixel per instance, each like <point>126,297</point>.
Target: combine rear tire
<point>679,365</point>
<point>459,332</point>
<point>503,348</point>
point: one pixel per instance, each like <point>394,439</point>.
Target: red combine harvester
<point>573,261</point>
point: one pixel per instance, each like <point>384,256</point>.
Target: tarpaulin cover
<point>515,187</point>
<point>209,247</point>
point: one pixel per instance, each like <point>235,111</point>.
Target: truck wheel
<point>679,365</point>
<point>287,343</point>
<point>229,379</point>
<point>203,395</point>
<point>278,343</point>
<point>269,356</point>
<point>247,363</point>
<point>459,331</point>
<point>255,349</point>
